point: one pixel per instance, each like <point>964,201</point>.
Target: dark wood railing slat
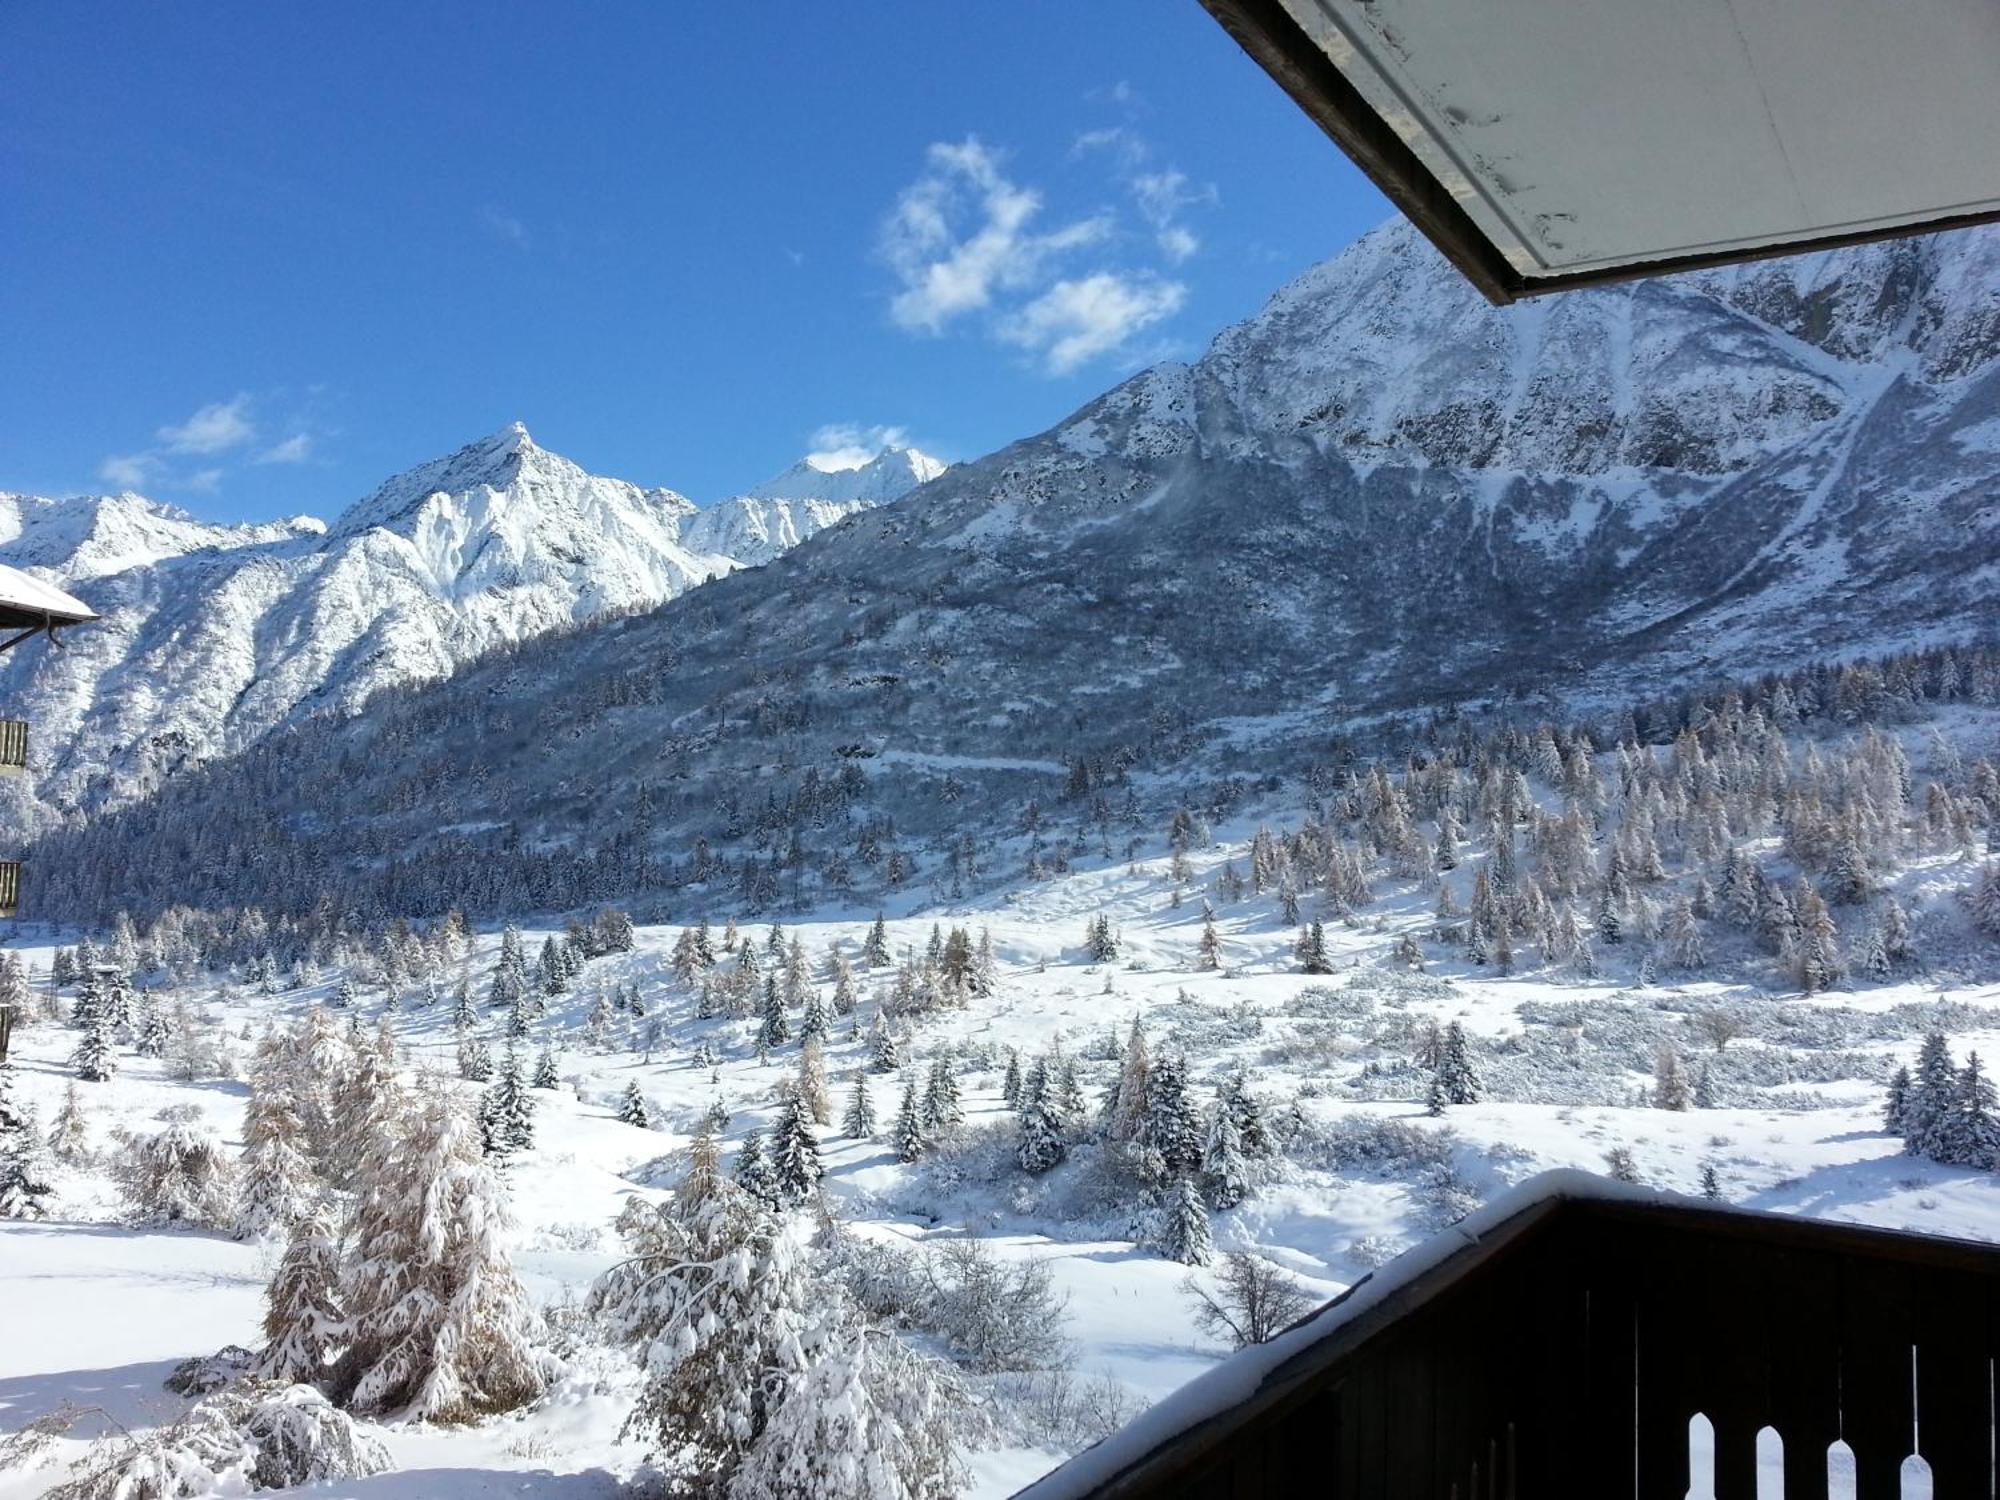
<point>1875,1341</point>
<point>1954,1389</point>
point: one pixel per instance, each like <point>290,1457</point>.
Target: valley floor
<point>97,1314</point>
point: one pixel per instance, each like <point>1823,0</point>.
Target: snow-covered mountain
<point>891,474</point>
<point>1378,497</point>
<point>214,635</point>
<point>784,510</point>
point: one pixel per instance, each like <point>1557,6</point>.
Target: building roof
<point>1550,144</point>
<point>27,603</point>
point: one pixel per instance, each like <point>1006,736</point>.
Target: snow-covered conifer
<point>178,1174</point>
<point>438,1327</point>
<point>1223,1167</point>
<point>794,1153</point>
<point>96,1057</point>
<point>1184,1232</point>
<point>303,1327</point>
<point>1455,1071</point>
<point>908,1137</point>
<point>811,1086</point>
<point>632,1109</point>
<point>1670,1085</point>
<point>858,1121</point>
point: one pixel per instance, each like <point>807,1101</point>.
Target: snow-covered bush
<point>249,1437</point>
<point>991,1314</point>
<point>1386,1146</point>
<point>1055,1409</point>
<point>179,1174</point>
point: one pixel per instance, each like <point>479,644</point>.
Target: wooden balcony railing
<point>13,747</point>
<point>10,889</point>
<point>1561,1344</point>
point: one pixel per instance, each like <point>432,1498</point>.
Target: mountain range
<point>214,635</point>
<point>1378,498</point>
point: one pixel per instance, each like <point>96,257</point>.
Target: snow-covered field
<point>97,1314</point>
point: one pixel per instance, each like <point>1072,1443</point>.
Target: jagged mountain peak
<point>889,475</point>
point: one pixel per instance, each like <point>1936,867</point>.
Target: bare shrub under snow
<point>992,1314</point>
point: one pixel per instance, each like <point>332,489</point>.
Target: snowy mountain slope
<point>88,536</point>
<point>212,636</point>
<point>1378,497</point>
<point>784,510</point>
<point>889,475</point>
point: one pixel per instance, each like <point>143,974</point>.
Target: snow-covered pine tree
<point>1687,949</point>
<point>546,1076</point>
<point>753,1168</point>
<point>1172,1128</point>
<point>1042,1143</point>
<point>475,1059</point>
<point>1455,1071</point>
<point>1711,1184</point>
<point>96,1056</point>
<point>1928,1105</point>
<point>1670,1085</point>
<point>1970,1136</point>
<point>438,1327</point>
<point>1895,1108</point>
<point>1208,950</point>
<point>795,1163</point>
<point>1184,1231</point>
<point>632,1109</point>
<point>507,1110</point>
<point>26,1185</point>
<point>1312,954</point>
<point>278,1182</point>
<point>776,1029</point>
<point>875,948</point>
<point>69,1133</point>
<point>1223,1167</point>
<point>883,1056</point>
<point>942,1110</point>
<point>858,1121</point>
<point>303,1326</point>
<point>908,1136</point>
<point>864,1417</point>
<point>1704,1088</point>
<point>1010,1082</point>
<point>715,1299</point>
<point>1127,1113</point>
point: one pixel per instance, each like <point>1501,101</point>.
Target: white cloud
<point>504,227</point>
<point>128,471</point>
<point>295,449</point>
<point>849,445</point>
<point>961,233</point>
<point>217,427</point>
<point>1076,321</point>
<point>203,481</point>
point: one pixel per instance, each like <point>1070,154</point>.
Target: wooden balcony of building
<point>1580,1339</point>
<point>13,747</point>
<point>10,889</point>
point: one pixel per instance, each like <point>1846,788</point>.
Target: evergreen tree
<point>753,1169</point>
<point>795,1163</point>
<point>909,1133</point>
<point>278,1183</point>
<point>858,1122</point>
<point>1312,953</point>
<point>632,1107</point>
<point>303,1326</point>
<point>1222,1163</point>
<point>1455,1072</point>
<point>875,950</point>
<point>69,1135</point>
<point>776,1029</point>
<point>1929,1101</point>
<point>507,1110</point>
<point>883,1056</point>
<point>1711,1185</point>
<point>1209,950</point>
<point>1010,1083</point>
<point>1041,1144</point>
<point>1895,1109</point>
<point>1184,1233</point>
<point>546,1076</point>
<point>1704,1088</point>
<point>95,1059</point>
<point>1127,1108</point>
<point>942,1110</point>
<point>1970,1137</point>
<point>1670,1085</point>
<point>1171,1128</point>
<point>26,1185</point>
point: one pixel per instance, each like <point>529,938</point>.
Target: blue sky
<point>258,257</point>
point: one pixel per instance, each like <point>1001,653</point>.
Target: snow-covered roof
<point>1241,1377</point>
<point>1553,145</point>
<point>27,602</point>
